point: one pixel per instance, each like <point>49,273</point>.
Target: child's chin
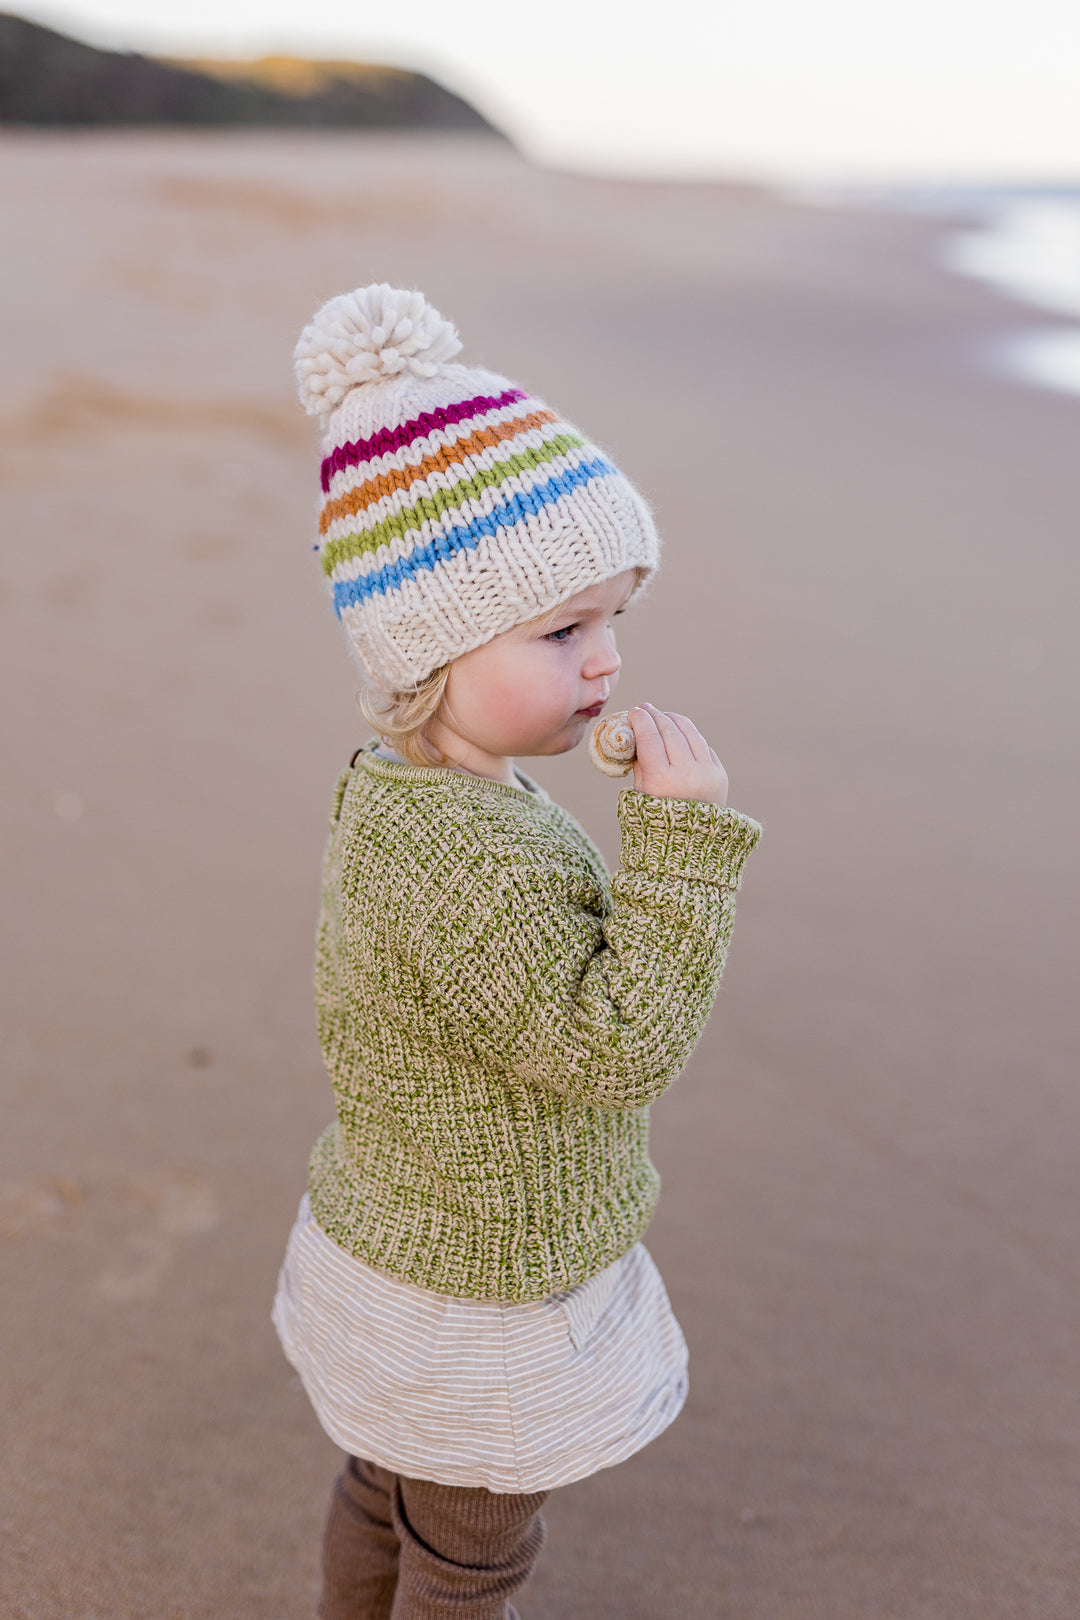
<point>565,743</point>
<point>561,743</point>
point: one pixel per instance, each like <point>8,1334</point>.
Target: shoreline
<point>1022,241</point>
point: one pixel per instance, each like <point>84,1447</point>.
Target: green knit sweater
<point>496,1013</point>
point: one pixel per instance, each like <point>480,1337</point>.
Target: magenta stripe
<point>387,439</point>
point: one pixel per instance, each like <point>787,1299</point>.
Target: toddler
<point>465,1295</point>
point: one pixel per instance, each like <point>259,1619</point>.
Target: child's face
<point>524,691</point>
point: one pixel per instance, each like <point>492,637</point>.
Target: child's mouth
<point>593,712</point>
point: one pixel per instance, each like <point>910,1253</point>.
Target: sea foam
<point>1029,249</point>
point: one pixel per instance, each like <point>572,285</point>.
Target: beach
<point>871,1165</point>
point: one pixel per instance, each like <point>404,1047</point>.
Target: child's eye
<point>559,637</point>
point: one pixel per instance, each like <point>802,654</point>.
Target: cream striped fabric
<point>476,1392</point>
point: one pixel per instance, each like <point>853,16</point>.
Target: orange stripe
<point>446,458</point>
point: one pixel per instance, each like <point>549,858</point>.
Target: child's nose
<point>604,660</point>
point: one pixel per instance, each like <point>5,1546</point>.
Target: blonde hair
<point>401,718</point>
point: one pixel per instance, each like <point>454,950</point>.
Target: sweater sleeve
<point>604,1009</point>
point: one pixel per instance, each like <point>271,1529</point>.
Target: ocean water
<point>1028,247</point>
<point>1024,241</point>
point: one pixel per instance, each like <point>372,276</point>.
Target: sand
<point>871,1165</point>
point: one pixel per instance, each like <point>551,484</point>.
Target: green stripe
<point>443,501</point>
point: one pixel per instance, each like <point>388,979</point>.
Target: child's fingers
<point>667,732</point>
<point>675,729</point>
<point>650,745</point>
<point>673,757</point>
<point>699,748</point>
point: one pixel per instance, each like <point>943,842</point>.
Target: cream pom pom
<point>365,336</point>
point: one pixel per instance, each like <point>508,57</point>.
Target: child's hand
<point>673,759</point>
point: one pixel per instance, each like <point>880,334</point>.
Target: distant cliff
<point>47,78</point>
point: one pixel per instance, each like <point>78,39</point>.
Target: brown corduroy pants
<point>407,1549</point>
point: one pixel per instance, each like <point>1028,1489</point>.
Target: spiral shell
<point>612,745</point>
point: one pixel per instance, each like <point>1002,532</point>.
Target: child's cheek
<point>532,707</point>
<point>521,706</point>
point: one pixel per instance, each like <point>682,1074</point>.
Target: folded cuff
<point>684,838</point>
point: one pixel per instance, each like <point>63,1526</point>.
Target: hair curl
<point>401,718</point>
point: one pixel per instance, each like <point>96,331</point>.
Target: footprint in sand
<point>27,1206</point>
<point>148,1218</point>
<point>174,1204</point>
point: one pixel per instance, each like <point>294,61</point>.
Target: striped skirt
<point>476,1392</point>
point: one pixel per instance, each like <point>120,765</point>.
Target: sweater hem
<point>419,1262</point>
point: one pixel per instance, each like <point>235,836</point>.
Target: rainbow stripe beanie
<point>454,504</point>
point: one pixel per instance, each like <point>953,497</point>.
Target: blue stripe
<point>349,592</point>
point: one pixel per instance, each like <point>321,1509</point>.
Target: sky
<point>780,90</point>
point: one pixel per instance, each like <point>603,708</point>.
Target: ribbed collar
<point>446,775</point>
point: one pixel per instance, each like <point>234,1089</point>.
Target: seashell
<point>612,744</point>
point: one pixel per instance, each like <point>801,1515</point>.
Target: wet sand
<point>871,1165</point>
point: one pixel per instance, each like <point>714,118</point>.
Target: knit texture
<point>400,1548</point>
<point>496,1014</point>
<point>454,504</point>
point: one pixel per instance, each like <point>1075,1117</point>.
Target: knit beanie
<point>454,504</point>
